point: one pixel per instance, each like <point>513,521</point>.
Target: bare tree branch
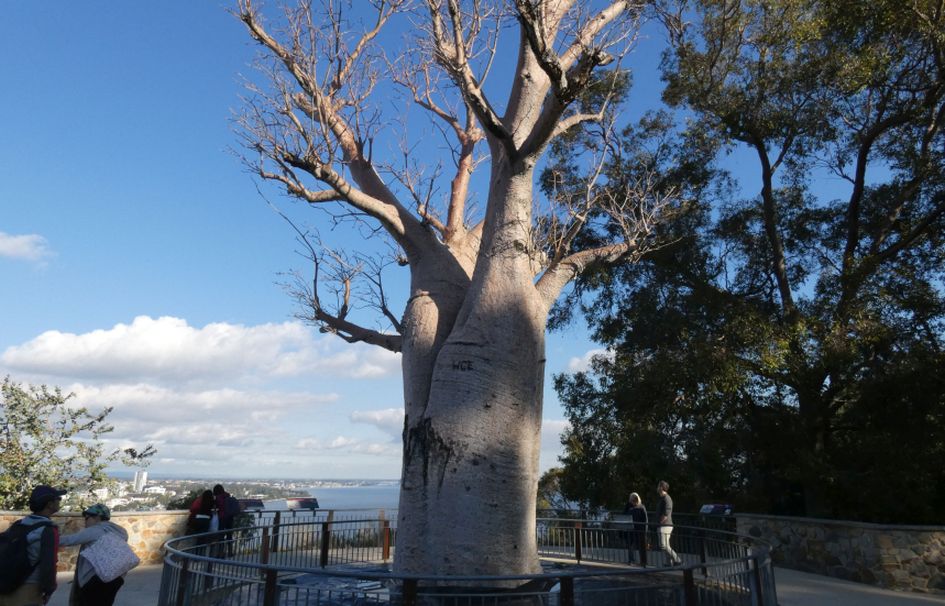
<point>417,80</point>
<point>452,54</point>
<point>635,210</point>
<point>321,105</point>
<point>342,272</point>
<point>570,74</point>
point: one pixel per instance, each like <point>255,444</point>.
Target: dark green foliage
<point>185,501</point>
<point>781,351</point>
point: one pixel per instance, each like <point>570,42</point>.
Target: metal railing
<point>336,562</point>
<point>275,517</point>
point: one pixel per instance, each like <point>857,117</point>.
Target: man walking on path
<point>664,514</point>
<point>42,547</point>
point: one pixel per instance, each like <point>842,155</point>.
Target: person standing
<point>87,588</point>
<point>42,548</point>
<point>201,512</point>
<point>227,510</point>
<point>664,514</point>
<point>637,534</point>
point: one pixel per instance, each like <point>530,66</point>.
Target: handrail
<point>728,562</point>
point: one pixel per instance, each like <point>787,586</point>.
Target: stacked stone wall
<point>147,531</point>
<point>905,558</point>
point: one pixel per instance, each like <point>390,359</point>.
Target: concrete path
<point>141,588</point>
<point>794,589</point>
<point>803,589</point>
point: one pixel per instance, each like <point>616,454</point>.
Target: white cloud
<point>220,397</point>
<point>552,428</point>
<point>341,442</point>
<point>209,428</point>
<point>30,247</point>
<point>377,362</point>
<point>168,350</point>
<point>379,450</point>
<point>271,400</point>
<point>389,420</point>
<point>156,404</point>
<point>583,364</point>
<point>209,434</point>
<point>308,444</point>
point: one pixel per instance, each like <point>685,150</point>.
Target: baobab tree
<point>482,279</point>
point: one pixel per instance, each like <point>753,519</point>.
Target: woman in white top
<point>87,588</point>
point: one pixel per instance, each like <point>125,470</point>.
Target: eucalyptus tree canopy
<point>335,122</point>
<point>784,343</point>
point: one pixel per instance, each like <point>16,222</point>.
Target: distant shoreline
<point>314,482</point>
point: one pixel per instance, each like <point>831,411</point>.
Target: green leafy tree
<point>780,346</point>
<point>46,440</point>
<point>550,495</point>
<point>185,501</point>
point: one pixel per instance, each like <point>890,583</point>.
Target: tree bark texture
<point>472,332</point>
<point>473,418</point>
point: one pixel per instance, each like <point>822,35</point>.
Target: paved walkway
<point>794,589</point>
<point>141,588</point>
<point>802,589</point>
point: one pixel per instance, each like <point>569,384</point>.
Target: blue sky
<point>141,266</point>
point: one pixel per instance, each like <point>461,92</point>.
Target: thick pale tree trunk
<point>471,446</point>
<point>472,333</point>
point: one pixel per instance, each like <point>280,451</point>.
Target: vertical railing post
<point>703,555</point>
<point>208,576</point>
<point>264,547</point>
<point>270,590</point>
<point>275,531</point>
<point>409,592</point>
<point>326,539</point>
<point>183,583</point>
<point>757,589</point>
<point>689,589</point>
<point>644,547</point>
<point>632,539</point>
<point>566,597</point>
<point>577,540</point>
<point>385,531</point>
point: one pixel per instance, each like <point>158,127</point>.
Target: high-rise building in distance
<point>141,479</point>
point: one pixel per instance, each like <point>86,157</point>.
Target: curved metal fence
<point>319,562</point>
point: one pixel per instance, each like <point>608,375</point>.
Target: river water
<point>378,496</point>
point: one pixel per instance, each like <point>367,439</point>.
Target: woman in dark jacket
<point>201,512</point>
<point>637,536</point>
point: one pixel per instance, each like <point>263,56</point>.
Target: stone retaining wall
<point>905,558</point>
<point>147,531</point>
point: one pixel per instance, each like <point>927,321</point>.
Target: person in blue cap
<point>43,545</point>
<point>87,588</point>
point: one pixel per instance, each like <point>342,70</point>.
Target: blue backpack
<point>15,565</point>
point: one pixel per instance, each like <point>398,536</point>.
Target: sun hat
<point>97,510</point>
